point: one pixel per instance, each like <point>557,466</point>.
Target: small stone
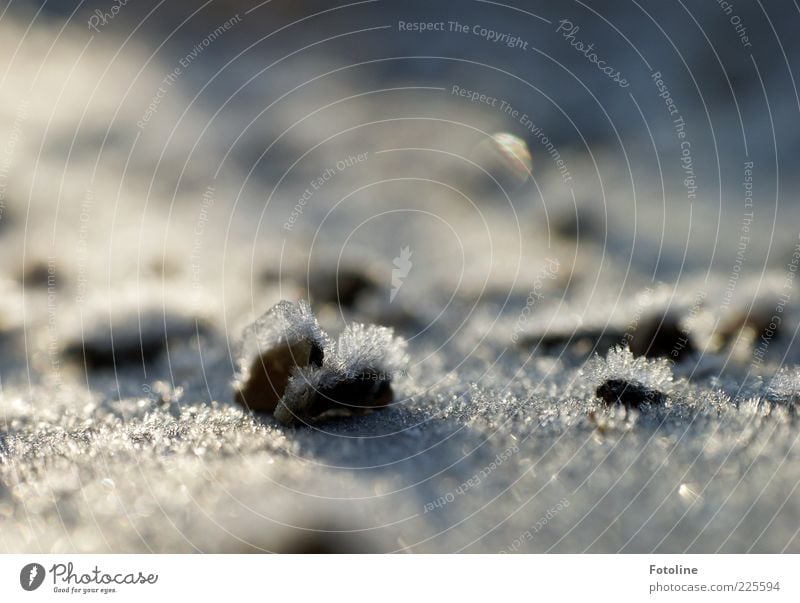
<point>575,223</point>
<point>578,339</point>
<point>40,274</point>
<point>663,335</point>
<point>328,542</point>
<point>357,395</point>
<point>268,375</point>
<point>630,394</point>
<point>748,324</point>
<point>316,531</point>
<point>289,366</point>
<point>286,337</point>
<point>342,287</point>
<point>356,377</point>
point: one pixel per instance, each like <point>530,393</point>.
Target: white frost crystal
<point>366,347</point>
<point>619,363</point>
<point>285,321</point>
<point>785,386</point>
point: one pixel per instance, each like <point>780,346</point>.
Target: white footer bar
<point>406,578</point>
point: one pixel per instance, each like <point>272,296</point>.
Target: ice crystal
<point>369,348</point>
<point>284,322</point>
<point>619,363</point>
<point>785,385</point>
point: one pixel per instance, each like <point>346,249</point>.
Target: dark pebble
<point>628,393</point>
<point>357,395</point>
<point>133,340</point>
<point>662,336</point>
<point>573,225</point>
<point>342,287</point>
<point>327,543</point>
<point>581,341</point>
<point>758,319</point>
<point>270,373</point>
<point>350,396</point>
<point>39,274</point>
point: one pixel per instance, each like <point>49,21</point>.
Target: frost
<point>363,348</point>
<point>283,322</point>
<point>619,363</point>
<point>284,338</point>
<point>785,386</point>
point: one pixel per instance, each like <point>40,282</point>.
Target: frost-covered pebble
<point>295,371</point>
<point>620,364</point>
<point>785,387</point>
<point>310,396</point>
<point>628,393</point>
<point>286,336</point>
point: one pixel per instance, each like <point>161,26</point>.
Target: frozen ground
<point>148,216</point>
